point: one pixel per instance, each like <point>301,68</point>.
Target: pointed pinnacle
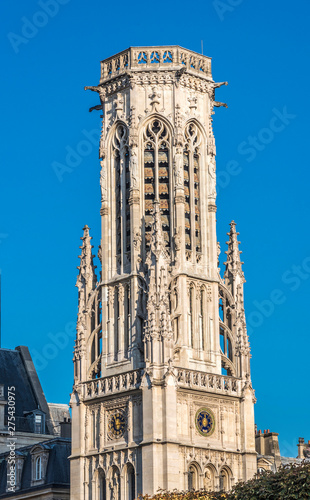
<point>233,262</point>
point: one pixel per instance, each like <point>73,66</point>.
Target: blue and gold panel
<point>117,424</point>
<point>205,421</point>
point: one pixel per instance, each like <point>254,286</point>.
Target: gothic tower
<point>162,394</point>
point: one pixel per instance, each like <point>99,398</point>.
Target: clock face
<point>205,421</point>
<point>117,424</point>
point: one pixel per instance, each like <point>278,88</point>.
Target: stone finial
<point>233,263</point>
<point>87,277</point>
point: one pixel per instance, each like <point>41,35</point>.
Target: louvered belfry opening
<point>122,193</point>
<point>156,176</point>
<point>191,160</point>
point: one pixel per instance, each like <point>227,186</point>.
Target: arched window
<point>102,486</point>
<point>225,343</point>
<point>116,322</point>
<point>114,484</point>
<point>224,480</point>
<point>130,483</point>
<point>201,319</point>
<point>127,318</point>
<point>122,186</point>
<point>193,478</point>
<point>229,349</point>
<point>38,464</point>
<point>156,176</point>
<point>191,162</point>
<point>261,471</point>
<point>191,318</point>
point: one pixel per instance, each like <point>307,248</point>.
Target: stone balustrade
<point>112,385</point>
<point>201,381</point>
<point>192,379</point>
<point>154,58</point>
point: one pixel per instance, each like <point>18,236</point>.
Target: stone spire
<point>158,330</point>
<point>233,274</point>
<point>234,280</point>
<point>86,283</point>
<point>87,277</point>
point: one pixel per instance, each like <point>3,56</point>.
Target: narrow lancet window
<point>201,321</point>
<point>116,322</point>
<point>188,244</point>
<point>118,205</point>
<point>191,164</point>
<point>127,206</point>
<point>197,204</point>
<point>191,318</point>
<point>122,189</point>
<point>127,319</point>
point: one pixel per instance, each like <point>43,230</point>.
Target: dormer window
<point>20,459</point>
<point>39,459</point>
<point>36,420</point>
<point>38,424</point>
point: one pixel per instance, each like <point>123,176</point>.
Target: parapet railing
<point>207,382</point>
<point>219,384</point>
<point>154,58</point>
<point>112,385</point>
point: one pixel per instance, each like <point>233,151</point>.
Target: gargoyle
<point>97,108</point>
<point>218,104</point>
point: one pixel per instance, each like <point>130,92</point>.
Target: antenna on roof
<point>202,47</point>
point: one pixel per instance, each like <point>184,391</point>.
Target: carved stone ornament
<point>178,168</point>
<point>137,239</point>
<point>155,99</point>
<point>104,181</point>
<point>212,178</point>
<point>118,106</point>
<point>133,166</point>
<point>177,239</point>
<point>192,103</point>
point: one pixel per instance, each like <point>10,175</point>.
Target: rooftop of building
<point>57,472</point>
<point>162,58</point>
<point>19,374</point>
<point>20,381</point>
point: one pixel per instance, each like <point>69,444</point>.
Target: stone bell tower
<point>162,394</point>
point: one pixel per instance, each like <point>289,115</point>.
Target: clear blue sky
<point>262,49</point>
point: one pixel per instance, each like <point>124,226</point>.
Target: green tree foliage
<point>289,483</point>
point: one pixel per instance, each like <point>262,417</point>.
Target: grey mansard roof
<point>17,369</point>
<point>57,472</point>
